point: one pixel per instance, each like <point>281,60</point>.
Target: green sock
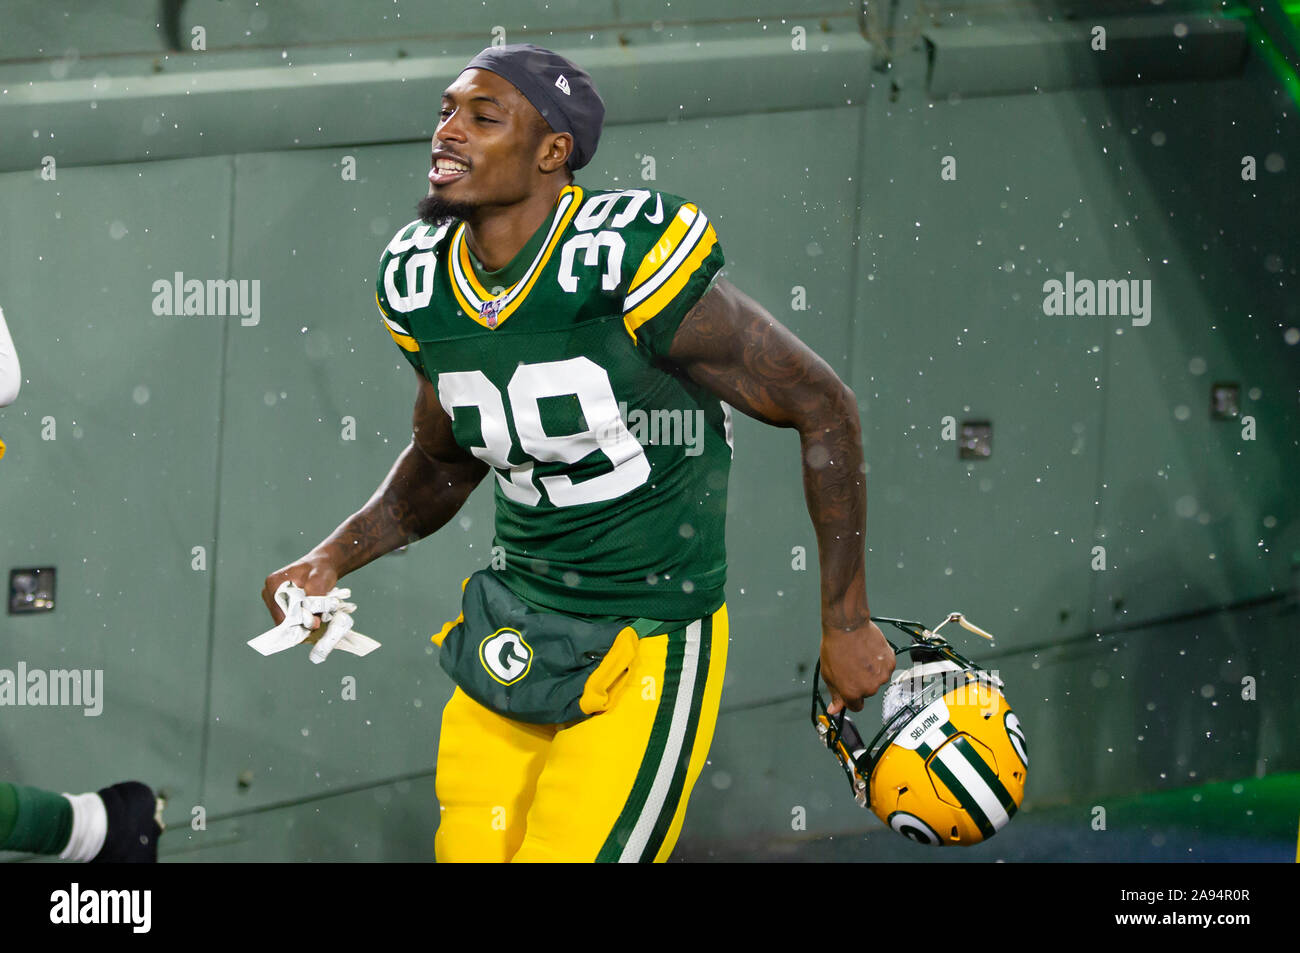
<point>32,820</point>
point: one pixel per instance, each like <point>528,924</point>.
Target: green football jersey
<point>611,465</point>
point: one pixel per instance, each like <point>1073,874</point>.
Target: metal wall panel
<point>126,489</point>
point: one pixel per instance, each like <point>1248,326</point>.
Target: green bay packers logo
<point>913,828</point>
<point>506,656</point>
<point>1017,736</point>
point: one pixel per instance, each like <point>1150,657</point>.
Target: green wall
<point>173,433</point>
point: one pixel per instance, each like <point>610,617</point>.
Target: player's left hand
<point>855,664</point>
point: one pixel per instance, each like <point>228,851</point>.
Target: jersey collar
<point>469,291</point>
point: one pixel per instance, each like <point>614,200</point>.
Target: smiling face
<point>491,148</point>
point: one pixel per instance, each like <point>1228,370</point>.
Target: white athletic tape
<point>298,608</point>
<point>89,828</point>
<point>335,631</point>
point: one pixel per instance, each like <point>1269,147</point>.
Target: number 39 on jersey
<point>536,377</point>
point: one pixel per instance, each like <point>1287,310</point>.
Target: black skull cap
<point>558,88</point>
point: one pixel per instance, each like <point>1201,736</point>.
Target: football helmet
<point>949,763</point>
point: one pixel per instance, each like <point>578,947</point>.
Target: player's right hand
<point>856,662</point>
<point>313,574</point>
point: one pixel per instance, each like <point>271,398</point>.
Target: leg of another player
<point>487,773</point>
<point>615,786</point>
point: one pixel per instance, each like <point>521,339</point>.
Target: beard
<point>435,210</point>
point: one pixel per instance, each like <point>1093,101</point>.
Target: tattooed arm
<point>427,485</point>
<point>731,346</point>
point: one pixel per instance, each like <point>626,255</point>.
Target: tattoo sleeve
<point>734,348</point>
<point>427,485</point>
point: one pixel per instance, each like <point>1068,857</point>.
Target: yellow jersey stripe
<point>466,268</point>
<point>659,300</point>
<point>663,249</point>
<point>404,340</point>
<point>464,303</point>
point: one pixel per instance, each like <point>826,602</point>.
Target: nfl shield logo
<point>489,313</point>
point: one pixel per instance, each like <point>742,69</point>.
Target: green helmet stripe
<point>964,797</point>
<point>982,769</point>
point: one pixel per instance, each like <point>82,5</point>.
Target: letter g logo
<point>506,656</point>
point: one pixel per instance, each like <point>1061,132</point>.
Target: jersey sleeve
<point>409,347</point>
<point>680,258</point>
<point>394,300</point>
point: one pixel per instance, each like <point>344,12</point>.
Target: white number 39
<point>605,431</point>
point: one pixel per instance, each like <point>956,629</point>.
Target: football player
<point>578,344</point>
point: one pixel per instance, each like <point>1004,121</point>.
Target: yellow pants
<point>612,787</point>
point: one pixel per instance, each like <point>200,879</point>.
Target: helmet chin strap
<point>964,623</point>
<point>920,633</point>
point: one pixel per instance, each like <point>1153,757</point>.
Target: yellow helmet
<point>949,763</point>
